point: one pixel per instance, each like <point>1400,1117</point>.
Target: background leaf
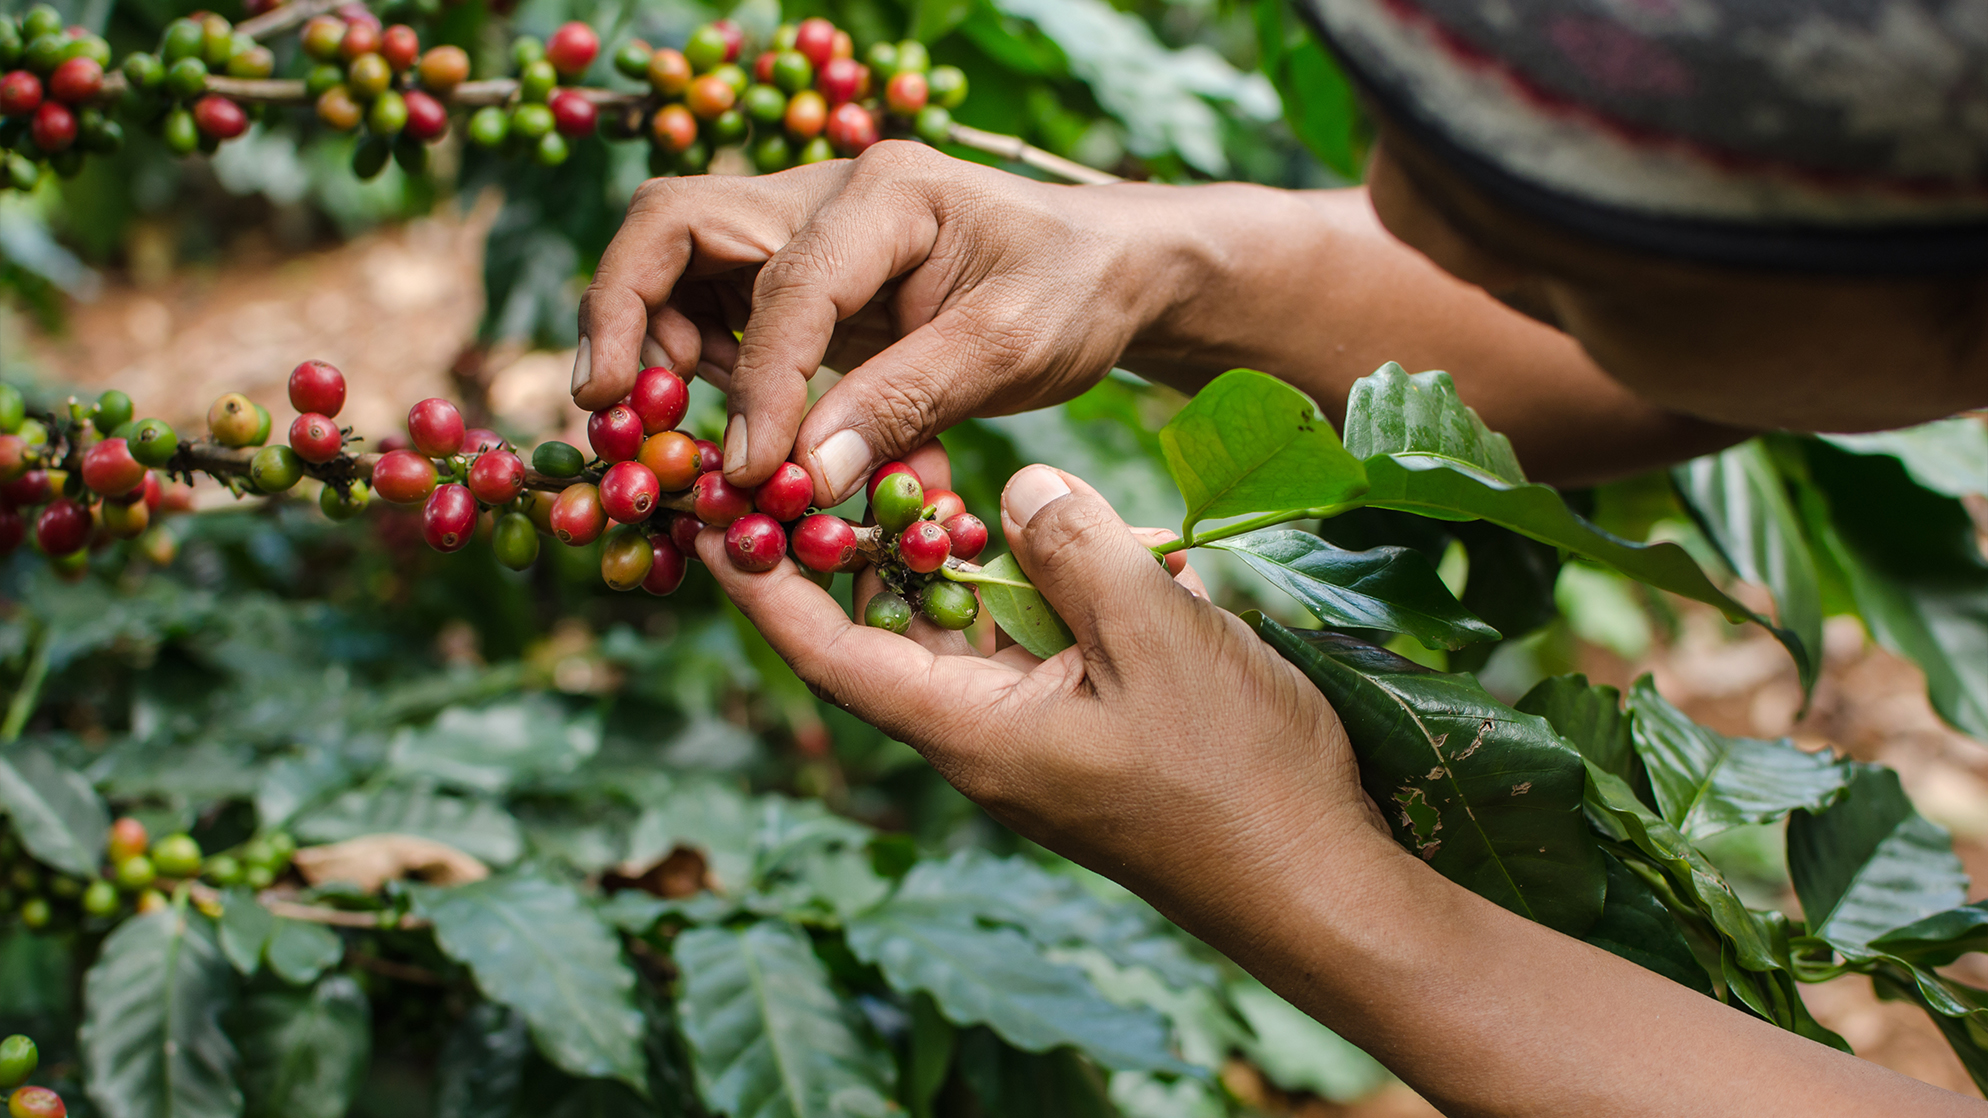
<point>1298,1053</point>
<point>1249,443</point>
<point>482,1063</point>
<point>1947,456</point>
<point>298,951</point>
<point>304,1052</point>
<point>1871,862</point>
<point>1011,1083</point>
<point>476,827</point>
<point>1023,613</point>
<point>244,929</point>
<point>1392,412</point>
<point>152,1041</point>
<point>488,749</point>
<point>1705,782</point>
<point>58,816</point>
<point>1389,588</point>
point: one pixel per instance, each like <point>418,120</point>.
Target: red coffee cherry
<point>709,96</point>
<point>807,115</point>
<point>629,492</point>
<point>659,398</point>
<point>317,386</point>
<point>219,117</point>
<point>944,503</point>
<point>884,471</point>
<point>577,516</point>
<point>968,534</point>
<point>666,568</point>
<point>448,520</point>
<point>573,115</point>
<point>719,502</point>
<point>615,433</point>
<point>28,490</point>
<point>361,37</point>
<point>110,470</point>
<point>674,128</point>
<point>63,527</point>
<point>709,456</point>
<point>906,93</point>
<point>734,36</point>
<point>35,1102</point>
<point>400,46</point>
<point>572,48</point>
<point>436,428</point>
<point>673,457</point>
<point>476,440</point>
<point>20,93</point>
<point>128,839</point>
<point>841,81</point>
<point>826,542</point>
<point>683,533</point>
<point>816,39</point>
<point>13,529</point>
<point>924,547</point>
<point>54,127</point>
<point>426,118</point>
<point>626,557</point>
<point>76,81</point>
<point>851,128</point>
<point>316,438</point>
<point>786,495</point>
<point>155,491</point>
<point>755,542</point>
<point>497,477</point>
<point>403,477</point>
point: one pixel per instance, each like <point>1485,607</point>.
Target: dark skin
<point>1170,749</point>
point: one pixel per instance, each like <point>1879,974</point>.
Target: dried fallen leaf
<point>369,861</point>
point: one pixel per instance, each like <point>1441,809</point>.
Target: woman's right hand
<point>945,289</point>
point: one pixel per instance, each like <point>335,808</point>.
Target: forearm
<point>1308,286</point>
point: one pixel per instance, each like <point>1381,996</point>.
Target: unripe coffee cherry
<point>35,1102</point>
<point>444,68</point>
<point>670,455</point>
<point>615,433</point>
<point>124,521</point>
<point>888,611</point>
<point>572,48</point>
<point>361,38</point>
<point>669,72</point>
<point>426,118</point>
<point>100,899</point>
<point>316,438</point>
<point>786,495</point>
<point>127,839</point>
<point>709,456</point>
<point>944,504</point>
<point>497,477</point>
<point>344,506</point>
<point>826,542</point>
<point>135,872</point>
<point>673,128</point>
<point>262,426</point>
<point>683,533</point>
<point>666,567</point>
<point>403,477</point>
<point>968,534</point>
<point>151,900</point>
<point>232,420</point>
<point>110,470</point>
<point>14,457</point>
<point>515,541</point>
<point>659,398</point>
<point>626,557</point>
<point>898,501</point>
<point>807,115</point>
<point>388,114</point>
<point>275,469</point>
<point>718,502</point>
<point>947,85</point>
<point>63,527</point>
<point>924,547</point>
<point>436,428</point>
<point>176,856</point>
<point>153,443</point>
<point>755,542</point>
<point>18,1058</point>
<point>449,518</point>
<point>884,471</point>
<point>338,110</point>
<point>557,459</point>
<point>629,492</point>
<point>35,913</point>
<point>317,386</point>
<point>708,97</point>
<point>577,517</point>
<point>400,46</point>
<point>950,605</point>
<point>321,37</point>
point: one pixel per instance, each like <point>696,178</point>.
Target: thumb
<point>1084,559</point>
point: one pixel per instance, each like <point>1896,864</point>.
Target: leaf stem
<point>1191,538</point>
<point>967,572</point>
<point>28,693</point>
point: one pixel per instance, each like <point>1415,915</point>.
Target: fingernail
<point>653,355</point>
<point>842,459</point>
<point>1030,490</point>
<point>583,364</point>
<point>735,444</point>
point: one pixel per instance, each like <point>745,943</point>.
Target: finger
<point>672,342</point>
<point>932,465</point>
<point>1176,561</point>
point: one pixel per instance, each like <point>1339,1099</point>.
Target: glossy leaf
<point>1011,1083</point>
<point>768,1035</point>
<point>304,1052</point>
<point>1392,412</point>
<point>1589,717</point>
<point>54,811</point>
<point>298,951</point>
<point>1948,456</point>
<point>1962,1035</point>
<point>1388,588</point>
<point>1706,782</point>
<point>1249,443</point>
<point>490,748</point>
<point>1020,609</point>
<point>244,929</point>
<point>482,1063</point>
<point>1489,797</point>
<point>477,827</point>
<point>1635,925</point>
<point>1939,939</point>
<point>152,1042</point>
<point>1871,863</point>
<point>537,946</point>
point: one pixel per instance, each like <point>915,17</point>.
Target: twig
<point>205,894</point>
<point>278,20</point>
<point>28,694</point>
<point>1023,152</point>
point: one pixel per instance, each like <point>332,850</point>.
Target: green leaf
<point>768,1035</point>
<point>1011,1083</point>
<point>58,816</point>
<point>1296,1052</point>
<point>1249,443</point>
<point>1020,609</point>
<point>304,1052</point>
<point>244,929</point>
<point>1741,501</point>
<point>1489,797</point>
<point>996,977</point>
<point>482,1063</point>
<point>1635,925</point>
<point>537,946</point>
<point>37,975</point>
<point>933,1043</point>
<point>151,1041</point>
<point>476,827</point>
<point>1871,863</point>
<point>1939,939</point>
<point>1706,782</point>
<point>495,747</point>
<point>299,951</point>
<point>1964,1034</point>
<point>1391,412</point>
<point>1388,588</point>
<point>1588,717</point>
<point>1947,456</point>
<point>714,819</point>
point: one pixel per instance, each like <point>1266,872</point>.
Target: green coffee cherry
<point>535,82</point>
<point>912,57</point>
<point>765,104</point>
<point>13,409</point>
<point>882,58</point>
<point>177,855</point>
<point>321,78</point>
<point>281,849</point>
<point>10,44</point>
<point>946,86</point>
<point>262,425</point>
<point>183,39</point>
<point>186,78</point>
<point>18,1059</point>
<point>898,502</point>
<point>22,173</point>
<point>489,126</point>
<point>527,50</point>
<point>532,121</point>
<point>144,71</point>
<point>135,872</point>
<point>555,459</point>
<point>888,611</point>
<point>36,913</point>
<point>772,153</point>
<point>258,877</point>
<point>93,47</point>
<point>388,114</point>
<point>42,19</point>
<point>515,541</point>
<point>792,71</point>
<point>275,469</point>
<point>950,605</point>
<point>113,411</point>
<point>339,506</point>
<point>100,899</point>
<point>97,133</point>
<point>370,157</point>
<point>705,48</point>
<point>728,127</point>
<point>632,60</point>
<point>152,442</point>
<point>33,433</point>
<point>551,150</point>
<point>65,887</point>
<point>817,150</point>
<point>182,134</point>
<point>694,159</point>
<point>44,53</point>
<point>934,125</point>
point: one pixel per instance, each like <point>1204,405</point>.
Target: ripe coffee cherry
<point>850,128</point>
<point>20,93</point>
<point>888,611</point>
<point>944,504</point>
<point>63,527</point>
<point>515,541</point>
<point>426,118</point>
<point>125,521</point>
<point>400,46</point>
<point>572,48</point>
<point>54,127</point>
<point>476,440</point>
<point>28,490</point>
<point>786,495</point>
<point>924,547</point>
<point>968,534</point>
<point>573,114</point>
<point>718,502</point>
<point>841,80</point>
<point>403,477</point>
<point>709,456</point>
<point>816,39</point>
<point>950,605</point>
<point>666,567</point>
<point>13,530</point>
<point>154,492</point>
<point>177,855</point>
<point>826,542</point>
<point>361,38</point>
<point>344,506</point>
<point>497,477</point>
<point>275,469</point>
<point>884,471</point>
<point>733,37</point>
<point>232,420</point>
<point>673,128</point>
<point>626,557</point>
<point>76,81</point>
<point>152,442</point>
<point>316,438</point>
<point>577,516</point>
<point>557,459</point>
<point>755,542</point>
<point>317,386</point>
<point>35,1102</point>
<point>807,115</point>
<point>127,840</point>
<point>897,501</point>
<point>449,518</point>
<point>219,117</point>
<point>436,427</point>
<point>671,455</point>
<point>629,492</point>
<point>615,433</point>
<point>659,398</point>
<point>110,470</point>
<point>683,533</point>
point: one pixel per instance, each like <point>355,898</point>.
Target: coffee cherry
<point>36,1102</point>
<point>851,128</point>
<point>557,459</point>
<point>881,472</point>
<point>219,117</point>
<point>577,516</point>
<point>666,567</point>
<point>898,501</point>
<point>13,409</point>
<point>127,839</point>
<point>673,128</point>
<point>76,81</point>
<point>476,440</point>
<point>444,68</point>
<point>786,495</point>
<point>934,125</point>
<point>425,117</point>
<point>763,103</point>
<point>626,557</point>
<point>705,49</point>
<point>13,530</point>
<point>110,470</point>
<point>755,542</point>
<point>388,114</point>
<point>449,518</point>
<point>924,547</point>
<point>20,93</point>
<point>888,611</point>
<point>968,534</point>
<point>223,870</point>
<point>28,490</point>
<point>671,456</point>
<point>615,433</point>
<point>772,153</point>
<point>538,508</point>
<point>232,420</point>
<point>573,114</point>
<point>515,541</point>
<point>100,899</point>
<point>154,492</point>
<point>36,913</point>
<point>338,110</point>
<point>950,605</point>
<point>258,877</point>
<point>275,469</point>
<point>629,492</point>
<point>63,527</point>
<point>150,901</point>
<point>404,477</point>
<point>315,438</point>
<point>683,533</point>
<point>709,456</point>
<point>572,48</point>
<point>400,46</point>
<point>321,37</point>
<point>125,521</point>
<point>841,80</point>
<point>368,76</point>
<point>906,93</point>
<point>718,502</point>
<point>262,426</point>
<point>815,38</point>
<point>943,504</point>
<point>436,427</point>
<point>497,477</point>
<point>709,97</point>
<point>344,506</point>
<point>14,457</point>
<point>317,386</point>
<point>826,542</point>
<point>489,126</point>
<point>733,36</point>
<point>659,398</point>
<point>361,39</point>
<point>176,856</point>
<point>135,872</point>
<point>807,115</point>
<point>54,126</point>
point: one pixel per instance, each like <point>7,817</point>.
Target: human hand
<point>943,288</point>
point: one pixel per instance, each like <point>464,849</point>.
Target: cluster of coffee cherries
<point>51,77</point>
<point>137,873</point>
<point>168,90</point>
<point>548,113</point>
<point>365,74</point>
<point>83,479</point>
<point>18,1059</point>
<point>919,532</point>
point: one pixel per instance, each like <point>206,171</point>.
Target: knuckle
<point>902,412</point>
